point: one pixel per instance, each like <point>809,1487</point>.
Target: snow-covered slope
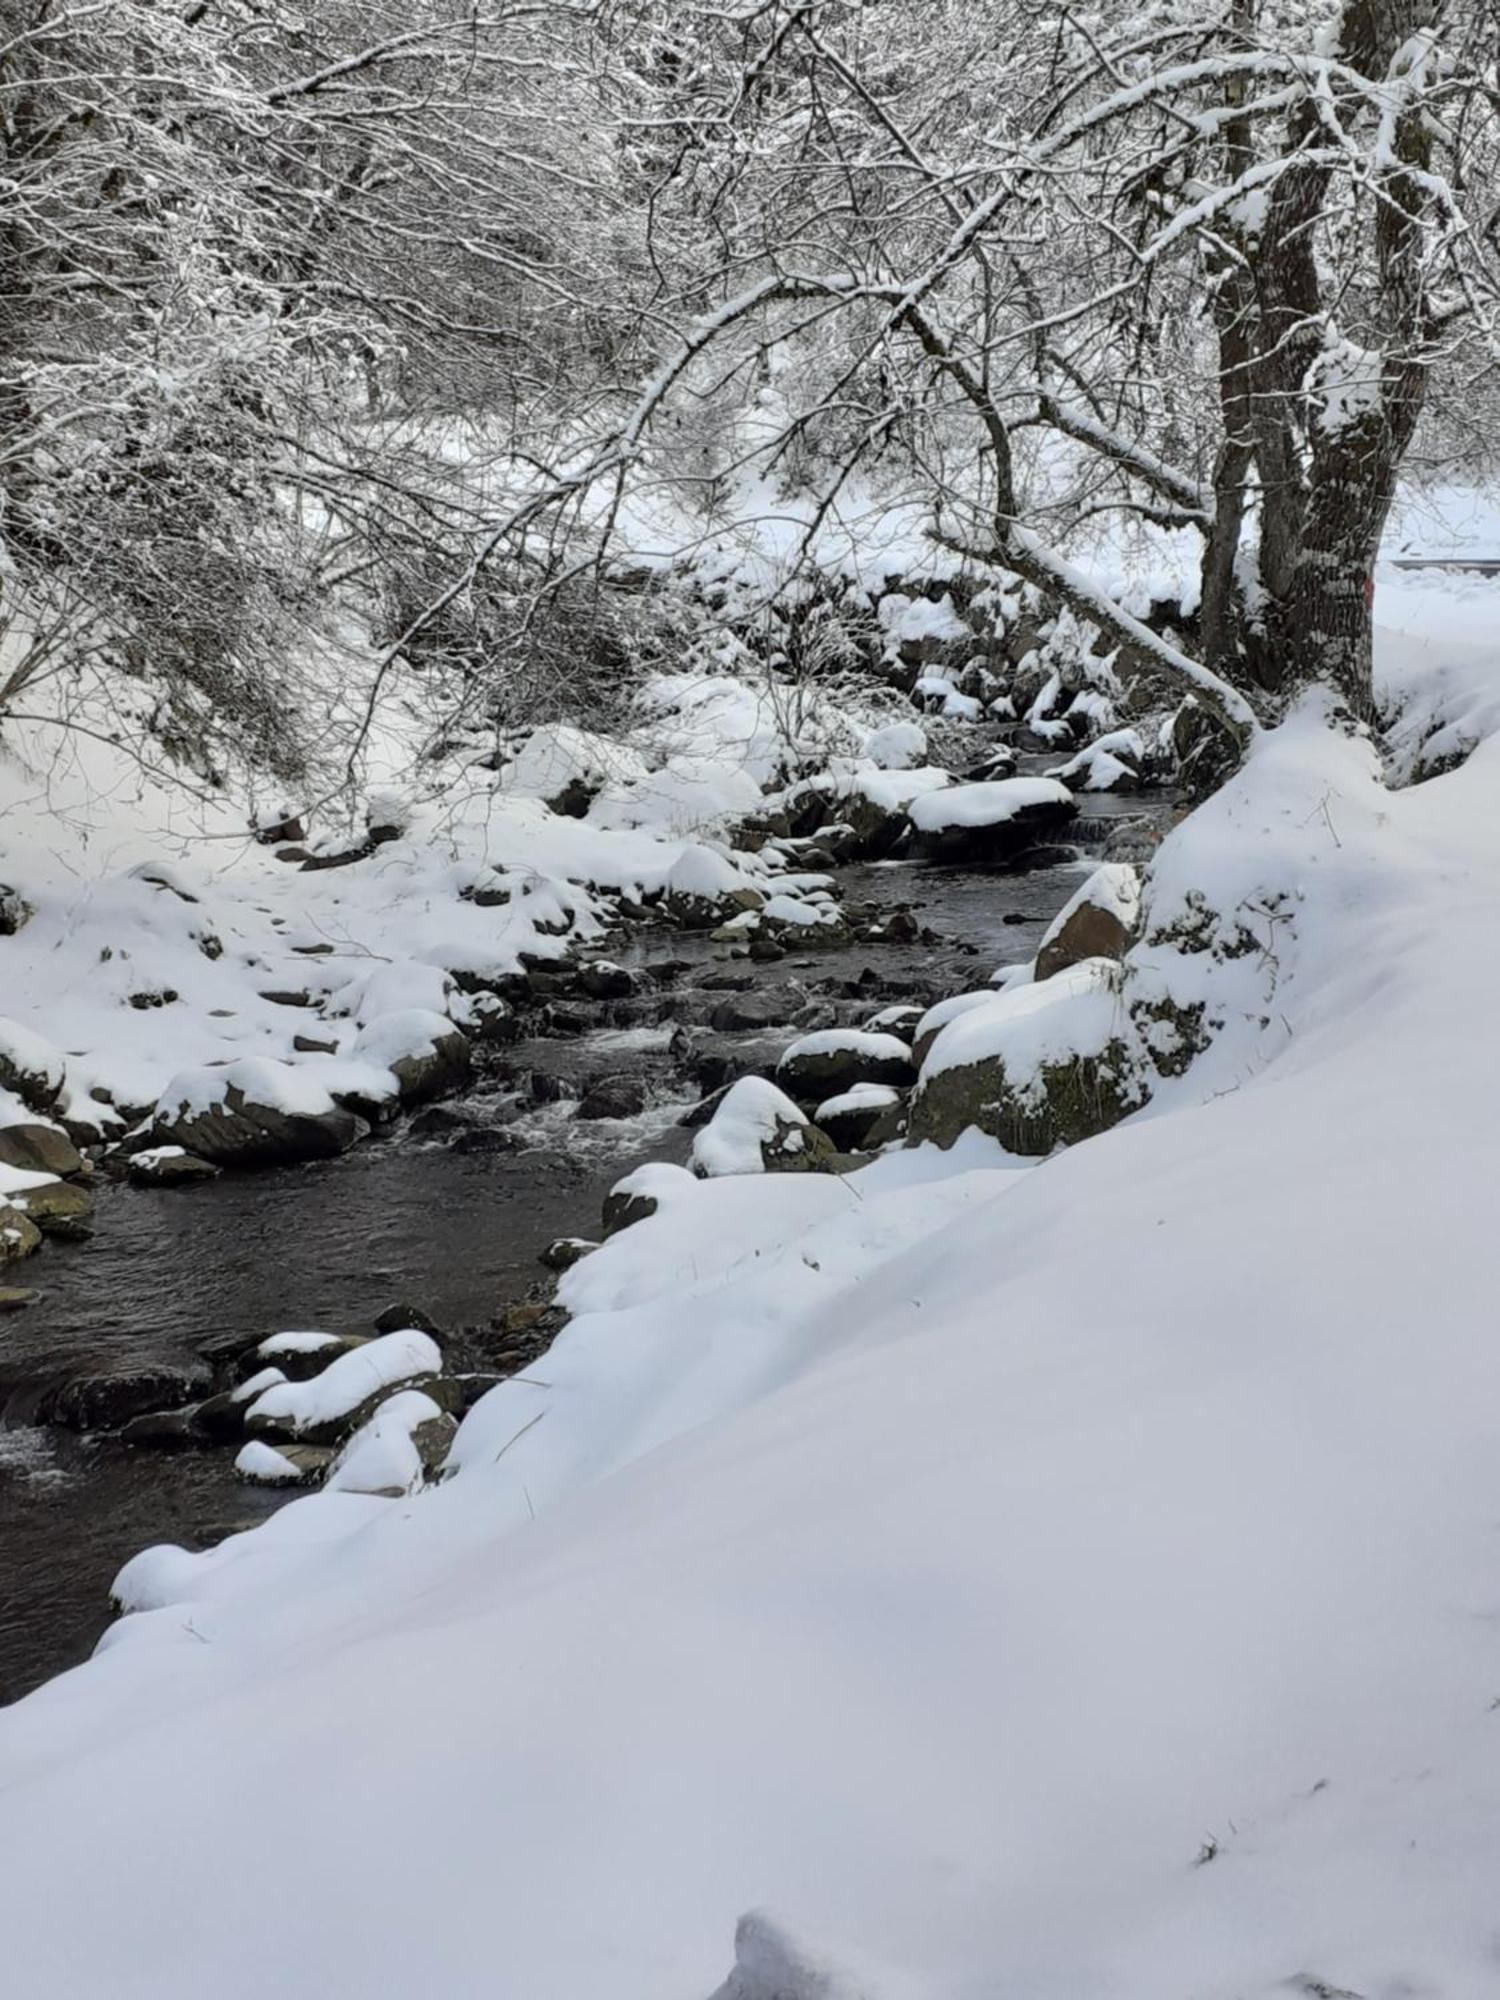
<point>1054,1582</point>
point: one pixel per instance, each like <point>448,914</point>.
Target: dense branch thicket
<point>394,312</point>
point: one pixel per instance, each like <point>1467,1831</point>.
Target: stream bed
<point>419,1214</point>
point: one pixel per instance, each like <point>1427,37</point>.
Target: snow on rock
<point>266,1466</point>
<point>770,1965</point>
<point>989,821</point>
<point>1037,1067</point>
<point>641,1193</point>
<point>850,1117</point>
<point>939,1015</point>
<point>30,1067</point>
<point>835,1059</point>
<point>322,1408</point>
<point>565,766</point>
<point>385,1456</point>
<point>756,1129</point>
<point>1111,763</point>
<point>254,1112</point>
<point>1097,921</point>
<point>899,746</point>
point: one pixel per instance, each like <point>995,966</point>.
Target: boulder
<point>990,823</point>
<point>298,1356</point>
<point>110,1393</point>
<point>640,1194</point>
<point>1040,1066</point>
<point>613,1097</point>
<point>601,979</point>
<point>932,1023</point>
<point>283,1464</point>
<point>39,1149</point>
<point>59,1208</point>
<point>758,1129</point>
<point>748,1013</point>
<point>1098,922</point>
<point>425,1052</point>
<point>30,1068</point>
<point>253,1113</point>
<point>344,1395</point>
<point>852,1116</point>
<point>169,1166</point>
<point>824,1064</point>
<point>167,1430</point>
<point>567,1251</point>
<point>403,1314</point>
<point>15,911</point>
<point>18,1235</point>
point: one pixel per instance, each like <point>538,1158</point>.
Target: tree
<point>1204,261</point>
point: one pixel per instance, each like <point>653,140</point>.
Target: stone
<point>567,1251</point>
<point>1088,929</point>
<point>39,1149</point>
<point>308,1463</point>
<point>824,1065</point>
<point>433,1440</point>
<point>15,911</point>
<point>104,1397</point>
<point>29,1069</point>
<point>239,1132</point>
<point>169,1166</point>
<point>59,1208</point>
<point>851,1117</point>
<point>166,1430</point>
<point>990,824</point>
<point>603,980</point>
<point>396,1318</point>
<point>313,1045</point>
<point>438,1121</point>
<point>769,1007</point>
<point>613,1097</point>
<point>15,1298</point>
<point>486,1139</point>
<point>301,1363</point>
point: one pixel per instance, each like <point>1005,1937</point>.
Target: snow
<point>348,1380</point>
<point>381,1457</point>
<point>968,1578</point>
<point>752,1112</point>
<point>944,1011</point>
<point>858,1097</point>
<point>265,1465</point>
<point>985,805</point>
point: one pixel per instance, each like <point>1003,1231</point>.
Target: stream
<point>409,1216</point>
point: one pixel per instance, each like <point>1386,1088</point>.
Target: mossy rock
<point>1063,1103</point>
<point>39,1149</point>
<point>59,1209</point>
<point>799,1149</point>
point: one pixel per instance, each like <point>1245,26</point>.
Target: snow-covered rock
<point>328,1405</point>
<point>254,1113</point>
<point>990,822</point>
<point>640,1194</point>
<point>831,1060</point>
<point>1097,921</point>
<point>758,1129</point>
<point>1039,1066</point>
<point>851,1116</point>
<point>400,1446</point>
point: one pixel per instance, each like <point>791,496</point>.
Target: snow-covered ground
<point>1059,1581</point>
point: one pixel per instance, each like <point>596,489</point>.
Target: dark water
<point>206,1270</point>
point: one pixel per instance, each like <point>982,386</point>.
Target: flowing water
<point>173,1275</point>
